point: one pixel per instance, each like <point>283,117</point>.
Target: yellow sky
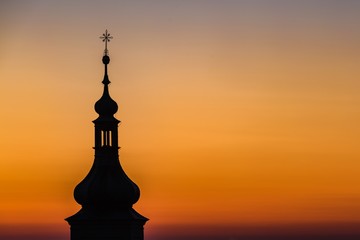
<point>231,112</point>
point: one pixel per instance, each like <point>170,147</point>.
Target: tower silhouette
<point>106,194</point>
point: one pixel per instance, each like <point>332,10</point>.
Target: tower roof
<point>106,185</point>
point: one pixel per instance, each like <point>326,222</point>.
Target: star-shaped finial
<point>106,38</point>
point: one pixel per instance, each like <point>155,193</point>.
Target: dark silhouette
<point>106,194</point>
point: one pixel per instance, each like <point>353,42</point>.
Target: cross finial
<point>106,38</point>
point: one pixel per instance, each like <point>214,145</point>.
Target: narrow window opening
<point>106,138</point>
<point>110,138</point>
<point>102,138</point>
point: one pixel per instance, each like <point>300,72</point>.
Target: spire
<point>106,194</point>
<point>106,106</point>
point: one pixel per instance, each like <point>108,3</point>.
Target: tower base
<point>91,225</point>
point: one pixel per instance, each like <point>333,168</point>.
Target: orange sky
<point>233,112</point>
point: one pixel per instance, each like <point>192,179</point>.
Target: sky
<point>238,117</point>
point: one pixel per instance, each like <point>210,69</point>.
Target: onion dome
<point>107,186</point>
<point>106,106</point>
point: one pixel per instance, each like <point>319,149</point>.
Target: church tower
<point>106,194</point>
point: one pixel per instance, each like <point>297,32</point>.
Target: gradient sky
<point>233,112</point>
